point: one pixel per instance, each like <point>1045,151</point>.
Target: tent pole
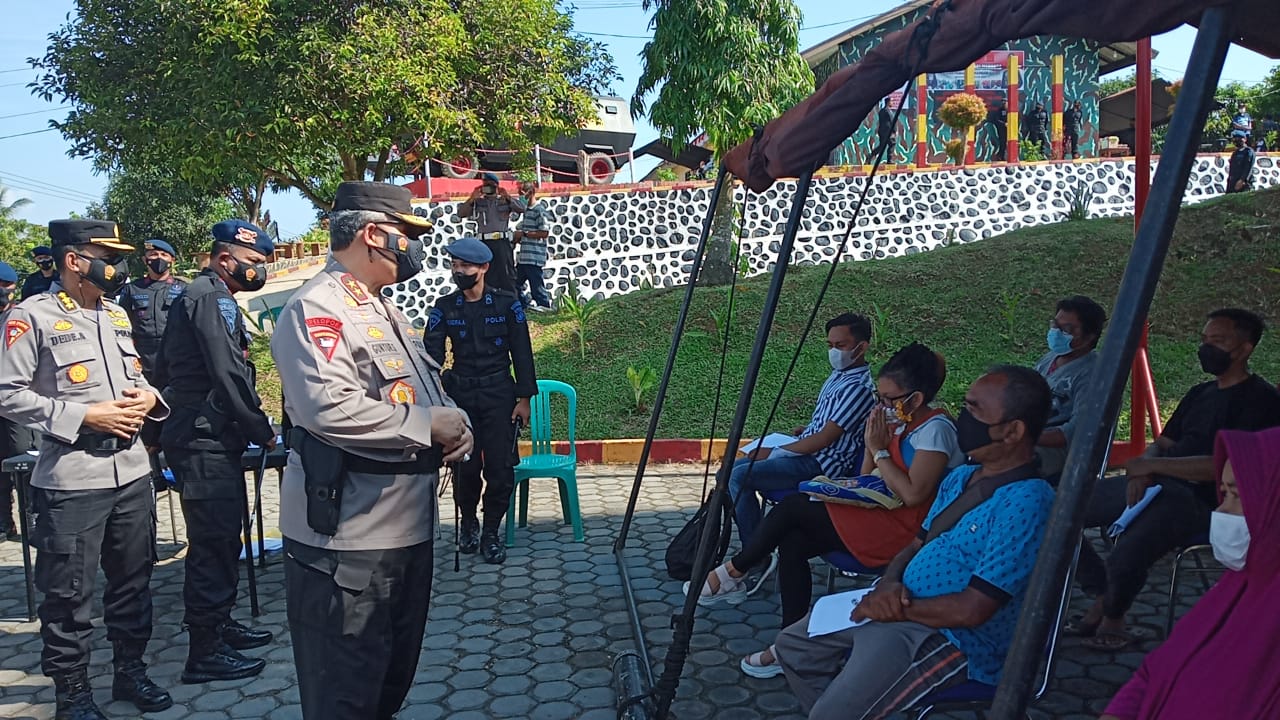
<point>673,665</point>
<point>1102,402</point>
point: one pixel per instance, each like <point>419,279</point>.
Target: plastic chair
<point>545,462</point>
<point>847,565</point>
<point>272,314</point>
<point>1195,550</point>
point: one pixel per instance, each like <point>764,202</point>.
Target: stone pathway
<point>535,640</point>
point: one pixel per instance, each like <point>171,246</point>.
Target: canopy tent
<point>952,36</point>
<point>1119,112</point>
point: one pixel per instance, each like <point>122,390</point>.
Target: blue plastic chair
<point>545,462</point>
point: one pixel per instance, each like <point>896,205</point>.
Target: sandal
<point>730,590</point>
<point>1077,627</point>
<point>1115,641</point>
<point>755,666</point>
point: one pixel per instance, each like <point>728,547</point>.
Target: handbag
<point>684,546</point>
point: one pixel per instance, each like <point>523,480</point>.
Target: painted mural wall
<point>1080,59</point>
<point>614,243</point>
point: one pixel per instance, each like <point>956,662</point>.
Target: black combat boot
<point>131,683</point>
<point>209,659</point>
<point>491,548</point>
<point>240,637</point>
<point>75,697</point>
<point>469,537</point>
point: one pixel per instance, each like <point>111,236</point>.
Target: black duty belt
<point>98,442</point>
<point>478,380</point>
<point>428,461</point>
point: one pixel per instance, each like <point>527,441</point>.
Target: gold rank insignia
<point>67,303</point>
<point>350,301</point>
<point>62,325</point>
<point>77,373</point>
<point>375,333</point>
<point>120,322</point>
<point>354,288</point>
<point>137,365</point>
<point>402,393</point>
<point>118,314</point>
<point>394,364</point>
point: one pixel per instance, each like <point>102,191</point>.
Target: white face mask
<point>841,359</point>
<point>1229,535</point>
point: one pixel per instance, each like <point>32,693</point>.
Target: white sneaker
<point>768,570</point>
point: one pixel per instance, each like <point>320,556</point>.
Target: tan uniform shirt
<point>356,375</point>
<point>56,359</point>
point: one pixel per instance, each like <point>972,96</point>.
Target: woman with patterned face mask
<point>1219,661</point>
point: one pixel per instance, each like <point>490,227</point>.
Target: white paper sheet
<point>772,440</point>
<point>832,613</point>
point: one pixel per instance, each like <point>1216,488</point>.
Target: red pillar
<point>922,121</point>
<point>1144,405</point>
<point>970,87</point>
<point>1014,132</point>
<point>1058,106</point>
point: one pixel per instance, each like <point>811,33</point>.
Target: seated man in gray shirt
<point>1068,367</point>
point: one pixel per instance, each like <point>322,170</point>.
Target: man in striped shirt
<point>831,444</point>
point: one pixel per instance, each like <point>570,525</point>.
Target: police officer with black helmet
<point>488,333</point>
<point>148,299</point>
<point>68,367</point>
<point>216,414</point>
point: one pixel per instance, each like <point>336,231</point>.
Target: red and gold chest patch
<point>325,332</point>
<point>137,365</point>
<point>77,373</point>
<point>13,330</point>
<point>402,393</point>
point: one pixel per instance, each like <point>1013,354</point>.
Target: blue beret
<point>239,232</point>
<point>161,245</point>
<point>7,273</point>
<point>469,249</point>
<point>489,177</point>
<point>41,250</point>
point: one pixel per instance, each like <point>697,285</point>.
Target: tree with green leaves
<point>17,236</point>
<point>239,96</point>
<point>721,68</point>
<point>147,203</point>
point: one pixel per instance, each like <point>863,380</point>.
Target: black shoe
<point>10,532</point>
<point>209,659</point>
<point>491,548</point>
<point>239,637</point>
<point>469,536</point>
<point>74,697</point>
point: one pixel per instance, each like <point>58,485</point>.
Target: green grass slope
<point>979,304</point>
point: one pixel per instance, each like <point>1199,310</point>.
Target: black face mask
<point>972,433</point>
<point>248,276</point>
<point>159,266</point>
<point>408,254</point>
<point>1214,360</point>
<point>6,297</point>
<point>465,281</point>
<point>108,277</point>
<point>45,265</point>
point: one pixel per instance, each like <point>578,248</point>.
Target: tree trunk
<point>718,267</point>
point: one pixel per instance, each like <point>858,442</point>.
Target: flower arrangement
<point>961,112</point>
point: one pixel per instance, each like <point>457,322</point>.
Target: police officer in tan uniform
<point>69,368</point>
<point>372,428</point>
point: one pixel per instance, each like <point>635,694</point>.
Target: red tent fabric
<point>801,138</point>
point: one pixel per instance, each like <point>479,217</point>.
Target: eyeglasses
<point>888,400</point>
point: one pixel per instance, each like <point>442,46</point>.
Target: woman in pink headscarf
<point>1223,658</point>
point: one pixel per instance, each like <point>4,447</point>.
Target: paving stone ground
<point>535,639</point>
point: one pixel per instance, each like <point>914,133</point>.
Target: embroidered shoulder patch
<point>230,312</point>
<point>13,330</point>
<point>325,332</point>
<point>402,393</point>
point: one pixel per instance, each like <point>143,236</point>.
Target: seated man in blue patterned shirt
<point>946,608</point>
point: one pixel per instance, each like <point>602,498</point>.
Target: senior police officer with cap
<point>39,281</point>
<point>14,438</point>
<point>216,413</point>
<point>148,299</point>
<point>372,428</point>
<point>488,334</point>
<point>69,368</point>
<point>492,207</point>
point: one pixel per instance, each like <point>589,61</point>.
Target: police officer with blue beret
<point>148,299</point>
<point>489,335</point>
<point>38,282</point>
<point>14,438</point>
<point>209,384</point>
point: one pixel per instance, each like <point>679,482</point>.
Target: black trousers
<point>1071,145</point>
<point>1174,518</point>
<point>502,269</point>
<point>800,529</point>
<point>14,440</point>
<point>211,486</point>
<point>75,530</point>
<point>357,621</point>
<point>489,404</point>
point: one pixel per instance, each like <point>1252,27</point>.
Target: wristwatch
<point>881,455</point>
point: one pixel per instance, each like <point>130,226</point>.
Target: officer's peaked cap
<point>380,197</point>
<point>244,234</point>
<point>66,233</point>
<point>161,245</point>
<point>469,249</point>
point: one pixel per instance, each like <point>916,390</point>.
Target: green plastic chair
<point>545,463</point>
<point>272,314</point>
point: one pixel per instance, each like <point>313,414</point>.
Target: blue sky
<point>36,165</point>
